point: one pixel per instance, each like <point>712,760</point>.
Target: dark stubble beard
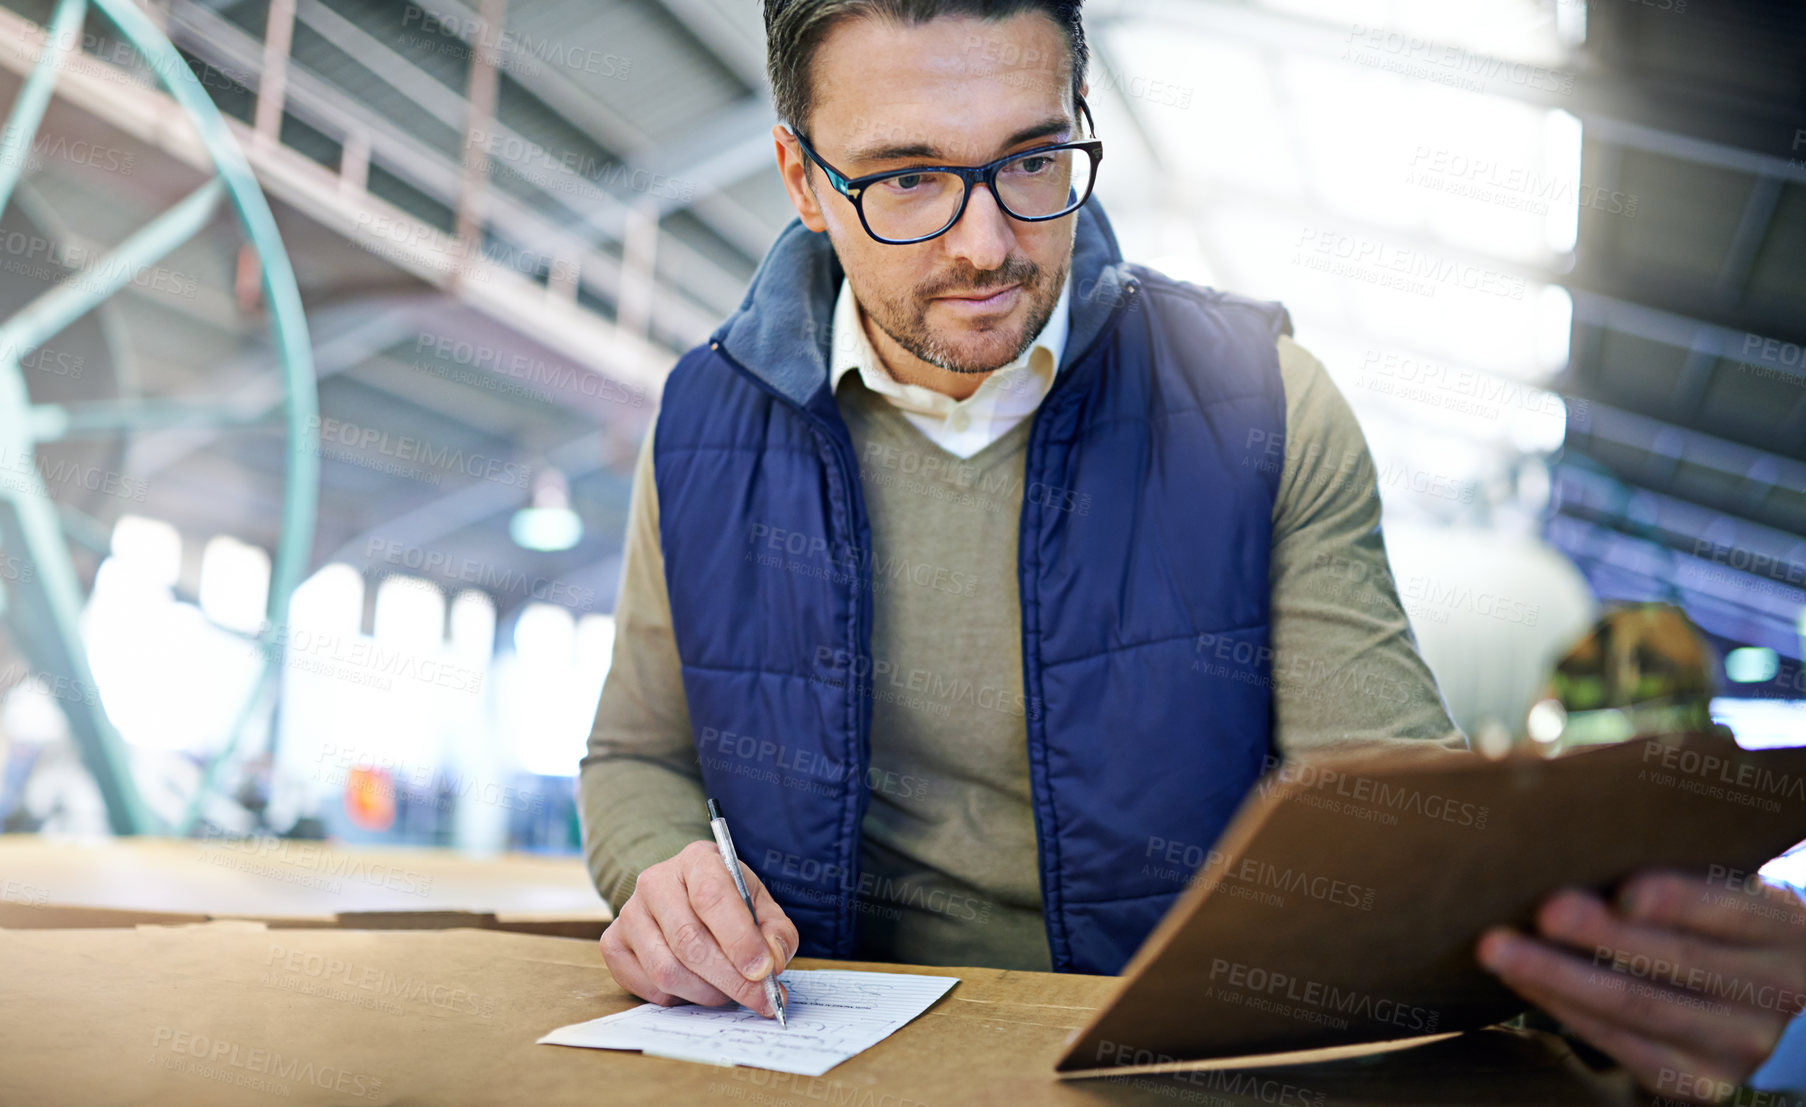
<point>907,321</point>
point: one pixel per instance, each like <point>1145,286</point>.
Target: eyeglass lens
<point>1034,185</point>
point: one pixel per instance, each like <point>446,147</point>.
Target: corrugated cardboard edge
<point>53,916</point>
<point>1258,806</point>
<point>1263,1060</point>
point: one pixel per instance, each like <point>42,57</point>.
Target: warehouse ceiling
<point>1684,474</point>
<point>417,391</point>
<point>1685,385</point>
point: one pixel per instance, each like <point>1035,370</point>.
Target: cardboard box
<point>289,883</point>
<point>235,1012</point>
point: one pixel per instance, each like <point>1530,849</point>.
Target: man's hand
<point>1688,984</point>
<point>684,935</point>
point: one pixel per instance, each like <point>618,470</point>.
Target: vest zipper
<point>862,624</point>
<point>849,915</point>
<point>1053,917</point>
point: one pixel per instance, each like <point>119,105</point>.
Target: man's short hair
<point>794,28</point>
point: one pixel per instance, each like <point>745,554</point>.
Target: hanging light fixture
<point>547,524</point>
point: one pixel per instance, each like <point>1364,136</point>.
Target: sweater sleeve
<point>1346,669</point>
<point>640,793</point>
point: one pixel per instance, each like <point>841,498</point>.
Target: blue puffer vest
<point>1152,467</point>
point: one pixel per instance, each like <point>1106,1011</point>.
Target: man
<point>966,560</point>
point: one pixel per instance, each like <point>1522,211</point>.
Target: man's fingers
<point>1767,915</point>
<point>1665,955</point>
<point>1657,1066</point>
<point>1547,976</point>
<point>778,928</point>
<point>664,966</point>
<point>698,948</point>
<point>716,900</point>
<point>625,968</point>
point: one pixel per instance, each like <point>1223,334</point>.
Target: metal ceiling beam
<point>1682,524</point>
<point>1622,565</point>
<point>1616,305</point>
<point>566,99</point>
<point>602,211</point>
<point>714,153</point>
<point>344,335</point>
<point>471,504</point>
<point>741,56</point>
<point>1733,278</point>
<point>1735,459</point>
<point>1671,328</point>
<point>424,251</point>
<point>587,339</point>
<point>628,140</point>
<point>1614,107</point>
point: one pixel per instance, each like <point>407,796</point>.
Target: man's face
<point>953,91</point>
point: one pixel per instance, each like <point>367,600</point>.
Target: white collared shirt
<point>961,427</point>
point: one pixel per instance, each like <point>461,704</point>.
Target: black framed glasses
<point>904,206</point>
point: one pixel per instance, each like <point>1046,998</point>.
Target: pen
<point>725,843</point>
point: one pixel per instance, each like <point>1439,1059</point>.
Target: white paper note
<point>833,1014</point>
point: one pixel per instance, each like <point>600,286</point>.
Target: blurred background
<point>1553,252</point>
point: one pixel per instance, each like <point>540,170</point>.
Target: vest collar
<point>780,331</point>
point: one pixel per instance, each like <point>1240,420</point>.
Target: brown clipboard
<point>1343,902</point>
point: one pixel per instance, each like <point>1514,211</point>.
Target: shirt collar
<point>850,348</point>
